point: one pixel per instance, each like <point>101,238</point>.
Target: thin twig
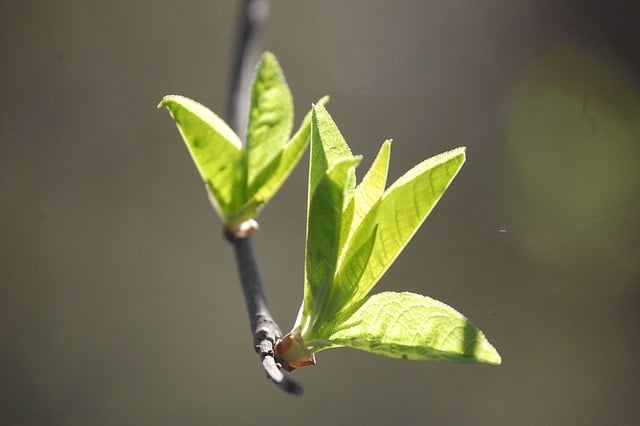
<point>253,18</point>
<point>266,332</point>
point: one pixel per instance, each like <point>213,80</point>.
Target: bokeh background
<point>120,302</point>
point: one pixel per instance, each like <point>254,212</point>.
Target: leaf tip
<point>498,360</point>
<point>269,61</point>
<point>318,108</point>
<point>461,150</point>
<point>169,101</point>
<point>492,357</point>
<point>164,101</point>
<point>269,56</point>
<point>323,100</point>
<point>486,353</point>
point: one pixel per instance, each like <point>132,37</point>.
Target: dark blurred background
<point>120,302</point>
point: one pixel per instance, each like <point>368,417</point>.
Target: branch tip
<point>273,372</point>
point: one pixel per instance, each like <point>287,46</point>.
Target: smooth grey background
<point>119,300</point>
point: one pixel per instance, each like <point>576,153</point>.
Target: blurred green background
<point>120,302</point>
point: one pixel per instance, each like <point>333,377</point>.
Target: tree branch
<point>253,18</point>
<point>266,332</point>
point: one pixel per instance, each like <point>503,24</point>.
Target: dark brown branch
<point>266,332</point>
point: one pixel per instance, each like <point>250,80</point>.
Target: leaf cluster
<point>241,179</point>
<point>354,231</point>
<point>354,234</point>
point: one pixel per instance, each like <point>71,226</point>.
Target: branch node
<point>240,231</point>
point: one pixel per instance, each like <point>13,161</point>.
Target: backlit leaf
<point>399,213</point>
<point>215,149</point>
<point>273,175</point>
<point>371,189</point>
<point>411,326</point>
<point>270,116</point>
<point>323,234</point>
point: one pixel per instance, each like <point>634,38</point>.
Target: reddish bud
<point>292,353</point>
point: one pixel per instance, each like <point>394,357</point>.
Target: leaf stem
<point>266,332</point>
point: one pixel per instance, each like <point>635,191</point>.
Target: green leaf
<point>271,178</point>
<point>345,285</point>
<point>371,189</point>
<point>411,326</point>
<point>323,235</point>
<point>270,116</point>
<point>372,186</point>
<point>331,186</point>
<point>215,149</point>
<point>353,236</point>
<point>241,180</point>
<point>327,146</point>
<point>398,215</point>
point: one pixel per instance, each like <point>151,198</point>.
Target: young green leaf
<point>215,149</point>
<point>270,116</point>
<point>411,326</point>
<point>327,146</point>
<point>242,180</point>
<point>371,189</point>
<point>342,292</point>
<point>325,216</point>
<point>353,236</point>
<point>270,179</point>
<point>331,186</point>
<point>398,215</point>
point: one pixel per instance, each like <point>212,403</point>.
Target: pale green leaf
<point>270,116</point>
<point>373,184</point>
<point>348,210</point>
<point>327,210</point>
<point>371,189</point>
<point>215,149</point>
<point>327,146</point>
<point>323,233</point>
<point>271,178</point>
<point>411,326</point>
<point>398,215</point>
<point>345,285</point>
